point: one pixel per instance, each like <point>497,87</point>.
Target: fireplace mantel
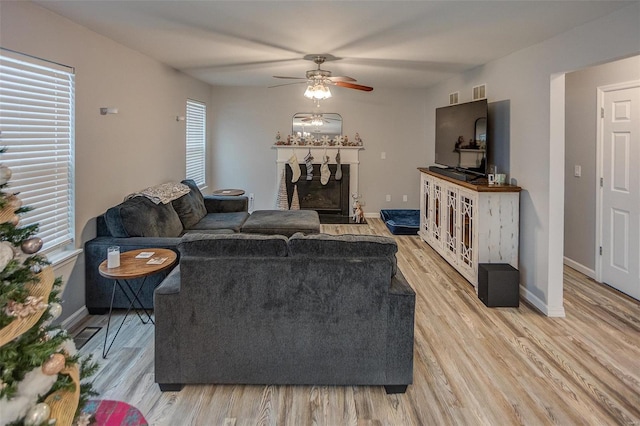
<point>348,155</point>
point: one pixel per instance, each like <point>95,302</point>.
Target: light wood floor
<point>473,365</point>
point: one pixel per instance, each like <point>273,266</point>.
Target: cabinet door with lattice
<point>467,237</point>
<point>436,212</point>
<point>451,222</point>
<point>425,207</point>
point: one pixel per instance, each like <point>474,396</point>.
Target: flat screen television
<point>461,137</point>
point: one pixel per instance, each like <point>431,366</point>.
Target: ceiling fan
<point>319,79</point>
<point>316,119</point>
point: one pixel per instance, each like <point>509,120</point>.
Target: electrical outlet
<point>383,155</point>
<point>388,197</point>
<point>404,199</point>
<point>577,170</point>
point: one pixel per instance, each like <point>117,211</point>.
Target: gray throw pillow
<point>190,208</point>
<point>141,217</point>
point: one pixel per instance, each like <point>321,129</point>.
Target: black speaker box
<point>498,285</point>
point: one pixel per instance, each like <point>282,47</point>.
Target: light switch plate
<point>577,170</point>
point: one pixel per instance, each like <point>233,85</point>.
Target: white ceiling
<point>382,43</point>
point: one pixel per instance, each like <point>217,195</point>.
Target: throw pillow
<point>190,207</point>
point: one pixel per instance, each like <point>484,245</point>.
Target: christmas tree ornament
<point>54,364</point>
<point>37,414</point>
<point>15,219</point>
<point>30,306</point>
<point>84,419</point>
<point>6,254</point>
<point>14,202</point>
<point>32,245</point>
<point>55,310</point>
<point>5,174</point>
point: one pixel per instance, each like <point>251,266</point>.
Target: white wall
<point>143,145</point>
<point>245,122</point>
<point>533,81</point>
<point>580,149</point>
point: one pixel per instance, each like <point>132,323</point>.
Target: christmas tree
<point>40,379</point>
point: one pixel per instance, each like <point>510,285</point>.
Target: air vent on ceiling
<point>453,98</point>
<point>479,92</point>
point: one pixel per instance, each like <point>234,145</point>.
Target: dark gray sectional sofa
<point>140,223</point>
<point>266,309</point>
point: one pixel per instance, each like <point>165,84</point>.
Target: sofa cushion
<point>214,221</point>
<point>325,245</point>
<point>190,207</point>
<point>282,222</point>
<point>226,245</point>
<point>141,217</point>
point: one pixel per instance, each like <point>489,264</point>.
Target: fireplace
<point>334,208</point>
<point>331,201</point>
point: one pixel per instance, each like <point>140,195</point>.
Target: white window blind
<point>37,124</point>
<point>196,141</point>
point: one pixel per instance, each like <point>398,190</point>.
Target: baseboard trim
<point>580,268</point>
<point>75,318</point>
<point>550,311</point>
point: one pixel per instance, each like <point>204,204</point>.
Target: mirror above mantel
<point>318,124</point>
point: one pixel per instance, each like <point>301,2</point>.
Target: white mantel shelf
<point>348,155</point>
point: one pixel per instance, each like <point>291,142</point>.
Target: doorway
<point>583,221</point>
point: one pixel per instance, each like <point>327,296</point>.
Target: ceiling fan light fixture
<point>316,120</point>
<point>317,91</point>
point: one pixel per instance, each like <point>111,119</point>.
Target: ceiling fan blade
<point>353,86</point>
<point>292,78</point>
<point>286,84</point>
<point>342,78</point>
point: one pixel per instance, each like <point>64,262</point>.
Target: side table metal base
<point>117,283</point>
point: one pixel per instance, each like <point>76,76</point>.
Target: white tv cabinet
<point>468,224</point>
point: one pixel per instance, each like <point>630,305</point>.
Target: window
<point>196,141</point>
<point>37,123</point>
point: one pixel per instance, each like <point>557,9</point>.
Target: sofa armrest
<point>166,301</point>
<point>402,300</point>
<point>400,286</point>
<point>226,203</point>
<point>170,285</point>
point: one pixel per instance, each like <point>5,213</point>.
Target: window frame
<point>196,142</point>
<point>37,120</point>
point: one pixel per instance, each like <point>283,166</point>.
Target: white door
<point>620,126</point>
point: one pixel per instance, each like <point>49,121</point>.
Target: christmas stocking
<point>338,174</point>
<point>325,173</point>
<point>295,168</point>
<point>308,161</point>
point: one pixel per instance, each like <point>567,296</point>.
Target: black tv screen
<point>461,136</point>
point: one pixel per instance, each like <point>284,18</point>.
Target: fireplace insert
<point>331,201</point>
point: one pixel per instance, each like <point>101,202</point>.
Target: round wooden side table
<point>134,265</point>
<point>234,192</point>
